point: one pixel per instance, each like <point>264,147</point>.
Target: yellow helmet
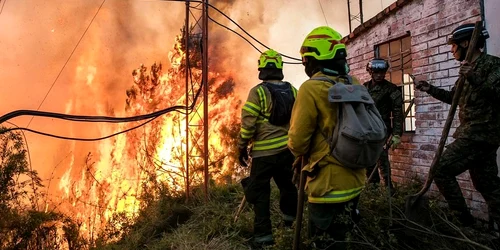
<point>270,59</point>
<point>323,43</point>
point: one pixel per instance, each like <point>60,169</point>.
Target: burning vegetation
<point>154,156</point>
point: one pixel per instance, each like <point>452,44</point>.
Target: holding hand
<point>395,141</point>
<point>466,69</point>
<point>422,86</point>
<point>243,157</point>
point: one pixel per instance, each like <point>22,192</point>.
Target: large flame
<point>111,180</point>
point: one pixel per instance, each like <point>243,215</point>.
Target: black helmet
<point>377,65</point>
<point>464,33</point>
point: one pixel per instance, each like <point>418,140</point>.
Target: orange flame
<point>112,179</point>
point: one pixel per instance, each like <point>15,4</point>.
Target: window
<point>398,53</point>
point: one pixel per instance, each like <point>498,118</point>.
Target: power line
<point>72,52</point>
<point>76,138</point>
<point>244,38</point>
<point>320,5</point>
<point>151,117</point>
<point>1,10</point>
<point>234,22</point>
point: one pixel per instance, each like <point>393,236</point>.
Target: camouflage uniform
<point>476,139</point>
<point>388,99</point>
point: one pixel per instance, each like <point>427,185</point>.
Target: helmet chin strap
<point>463,52</point>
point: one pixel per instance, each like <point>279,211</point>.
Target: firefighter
<point>477,138</point>
<point>270,156</point>
<point>388,100</point>
<point>333,190</point>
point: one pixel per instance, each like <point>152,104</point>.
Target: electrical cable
<point>244,38</point>
<point>75,138</point>
<point>64,66</point>
<point>107,119</point>
<point>239,26</point>
<point>1,10</point>
<point>324,16</point>
<point>151,117</point>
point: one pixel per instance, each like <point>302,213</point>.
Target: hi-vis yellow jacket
<point>313,116</point>
<point>267,139</point>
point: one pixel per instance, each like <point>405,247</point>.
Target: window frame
<point>399,74</point>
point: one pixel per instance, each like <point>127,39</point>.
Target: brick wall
<point>429,22</point>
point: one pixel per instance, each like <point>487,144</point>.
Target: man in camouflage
<point>388,100</point>
<point>477,138</point>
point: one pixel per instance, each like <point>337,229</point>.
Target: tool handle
<point>451,114</point>
<point>300,206</point>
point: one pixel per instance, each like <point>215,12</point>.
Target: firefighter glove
<point>395,141</point>
<point>243,157</point>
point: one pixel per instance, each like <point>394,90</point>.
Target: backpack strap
<point>331,140</point>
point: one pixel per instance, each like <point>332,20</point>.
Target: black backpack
<point>282,98</point>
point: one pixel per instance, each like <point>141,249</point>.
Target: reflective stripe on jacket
<point>267,139</point>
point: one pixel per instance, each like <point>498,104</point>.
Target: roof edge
<point>375,20</point>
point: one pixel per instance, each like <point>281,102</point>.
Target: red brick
<point>426,116</point>
<point>421,162</point>
<point>429,99</point>
<point>453,72</point>
<point>428,68</point>
<point>420,62</point>
<point>403,159</point>
<point>481,206</point>
<point>397,172</point>
<point>438,58</point>
<point>425,37</point>
<point>428,147</point>
<point>449,82</point>
<point>393,6</point>
<point>438,74</point>
<point>465,184</point>
<point>452,9</point>
<point>428,131</point>
<point>437,42</point>
<point>437,124</point>
<point>430,10</point>
<point>476,196</point>
<point>444,48</point>
<point>425,53</point>
<point>421,124</point>
<point>448,64</point>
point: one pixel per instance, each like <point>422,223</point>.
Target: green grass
<point>173,223</point>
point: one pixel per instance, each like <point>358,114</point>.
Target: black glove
<point>422,86</point>
<point>243,157</point>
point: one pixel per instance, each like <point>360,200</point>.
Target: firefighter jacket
<point>267,139</point>
<point>388,99</point>
<point>479,111</point>
<point>313,117</point>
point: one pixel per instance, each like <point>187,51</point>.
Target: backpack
<point>359,136</point>
<point>282,98</point>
